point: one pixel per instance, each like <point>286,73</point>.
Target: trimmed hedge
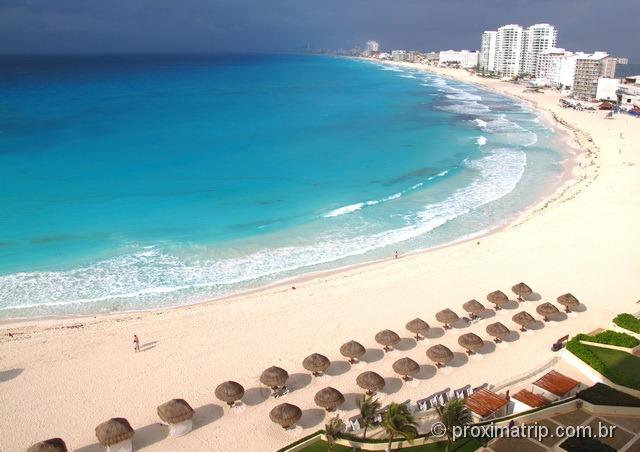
<point>611,338</point>
<point>586,354</point>
<point>628,322</point>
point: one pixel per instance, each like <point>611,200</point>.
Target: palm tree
<point>453,414</point>
<point>398,421</point>
<point>332,431</point>
<point>368,409</point>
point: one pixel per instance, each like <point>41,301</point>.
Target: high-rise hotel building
<point>513,50</point>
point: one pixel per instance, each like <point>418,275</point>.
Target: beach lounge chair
<point>281,392</point>
<point>482,386</point>
<point>354,423</point>
<point>423,404</point>
<point>469,391</point>
<point>441,400</point>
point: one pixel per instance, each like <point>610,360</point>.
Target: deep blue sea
<point>134,182</point>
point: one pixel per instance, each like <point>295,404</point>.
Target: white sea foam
<point>140,279</point>
<point>481,141</point>
<point>463,95</point>
<point>344,210</point>
<point>466,108</point>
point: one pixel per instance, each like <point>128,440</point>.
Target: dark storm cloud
<point>44,26</point>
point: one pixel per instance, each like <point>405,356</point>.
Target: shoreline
<point>554,191</point>
<point>76,375</point>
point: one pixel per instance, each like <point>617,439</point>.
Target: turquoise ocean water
<point>133,182</point>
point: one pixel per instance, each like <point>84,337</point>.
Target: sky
<point>189,26</point>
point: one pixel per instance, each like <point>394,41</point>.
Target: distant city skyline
<point>168,26</point>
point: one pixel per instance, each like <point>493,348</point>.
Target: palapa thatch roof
<point>471,341</point>
<point>497,330</point>
<point>523,318</point>
<point>473,307</point>
<point>229,392</point>
<point>352,349</point>
<point>439,354</point>
<point>175,411</point>
<point>498,297</point>
<point>521,289</point>
<point>446,316</point>
<point>316,363</point>
<point>49,445</point>
<point>417,326</point>
<point>547,309</point>
<point>406,366</point>
<point>274,377</point>
<point>114,431</point>
<point>387,338</point>
<point>370,381</point>
<point>568,300</point>
<point>285,414</point>
<point>329,398</point>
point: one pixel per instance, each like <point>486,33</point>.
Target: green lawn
<point>459,446</point>
<point>622,368</point>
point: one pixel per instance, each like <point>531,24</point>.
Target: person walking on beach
<point>396,254</point>
<point>136,343</point>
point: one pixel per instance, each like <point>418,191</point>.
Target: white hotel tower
<point>538,38</point>
<point>514,50</point>
<point>509,47</point>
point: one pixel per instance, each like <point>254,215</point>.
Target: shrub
<point>584,353</point>
<point>628,322</point>
<point>612,338</point>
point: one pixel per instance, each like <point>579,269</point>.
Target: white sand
<point>60,381</point>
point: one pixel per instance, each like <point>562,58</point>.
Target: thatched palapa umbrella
<point>352,350</point>
<point>440,355</point>
<point>49,445</point>
<point>370,381</point>
<point>316,363</point>
<point>524,319</point>
<point>498,331</point>
<point>521,290</point>
<point>387,339</point>
<point>471,342</point>
<point>329,398</point>
<point>446,316</point>
<point>286,415</point>
<point>274,377</point>
<point>229,392</point>
<point>546,310</point>
<point>418,327</point>
<point>474,308</point>
<point>178,414</point>
<point>498,298</point>
<point>568,301</point>
<point>116,431</point>
<point>406,367</point>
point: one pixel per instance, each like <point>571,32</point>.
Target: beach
<point>62,377</point>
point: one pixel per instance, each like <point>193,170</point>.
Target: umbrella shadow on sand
<point>207,414</point>
<point>351,400</point>
<point>405,344</point>
<point>298,381</point>
<point>338,368</point>
<point>10,374</point>
<point>372,355</point>
<point>255,396</point>
<point>311,417</point>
